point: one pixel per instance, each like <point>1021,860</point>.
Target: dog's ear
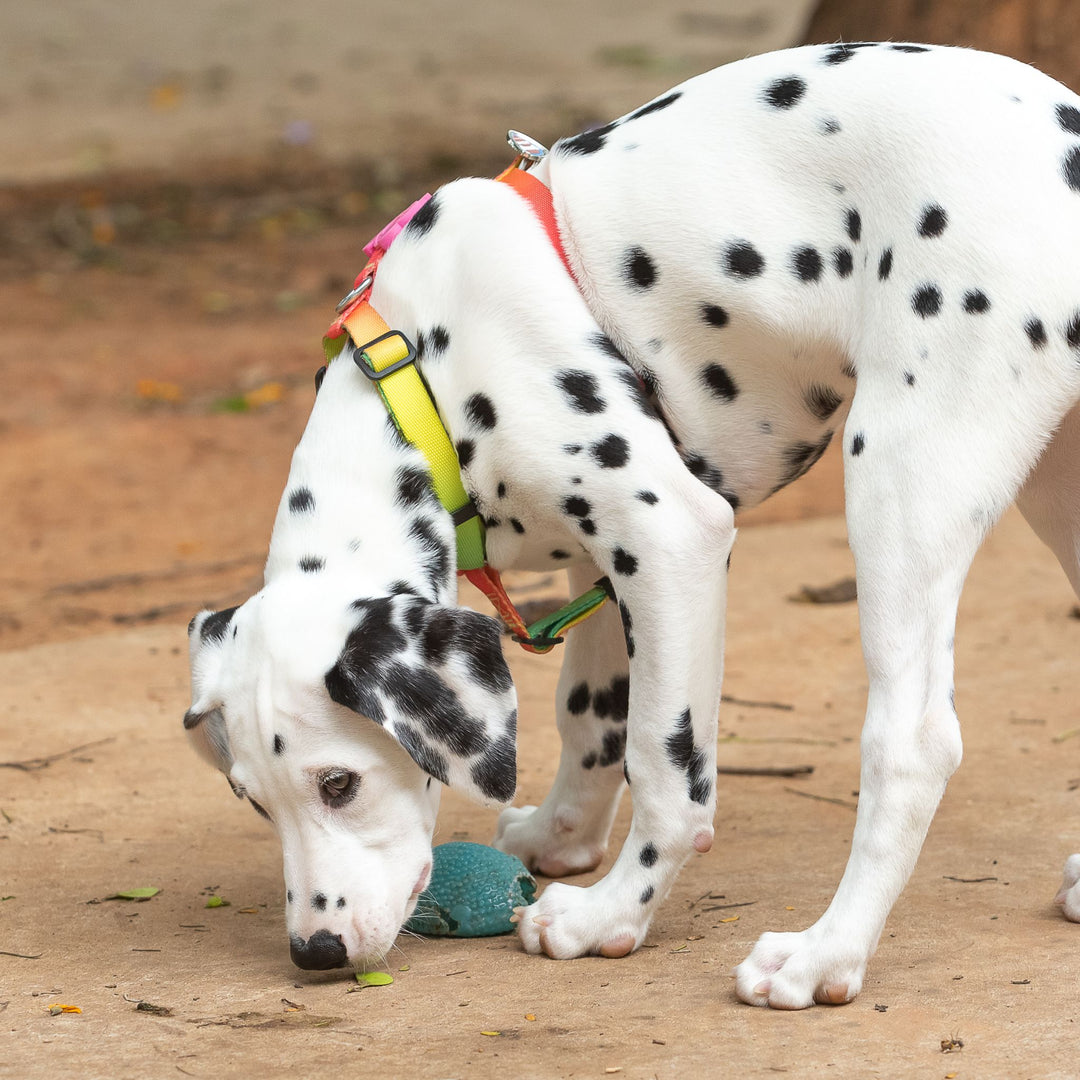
<point>435,678</point>
<point>208,633</point>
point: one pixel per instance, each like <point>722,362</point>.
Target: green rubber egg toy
<point>472,893</point>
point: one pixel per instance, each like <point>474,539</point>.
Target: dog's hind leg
<point>925,478</point>
<point>1050,500</point>
<point>568,832</point>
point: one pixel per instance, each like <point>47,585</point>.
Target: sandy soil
<point>136,493</point>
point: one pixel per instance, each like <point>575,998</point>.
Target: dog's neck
<point>342,510</point>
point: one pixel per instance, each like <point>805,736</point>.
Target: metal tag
<point>526,147</point>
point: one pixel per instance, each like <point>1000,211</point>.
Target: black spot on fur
<point>636,385</point>
<point>605,344</point>
<point>857,444</point>
<point>647,895</point>
<point>684,755</point>
<point>628,628</point>
<point>720,383</point>
<point>639,269</point>
<point>576,506</point>
<point>501,490</point>
<point>926,301</point>
<point>624,562</point>
<point>589,761</point>
<point>649,856</point>
<point>648,497</point>
<point>436,553</point>
<point>517,526</point>
<point>428,702</point>
<point>311,564</point>
<point>588,142</point>
<point>215,625</point>
<point>587,526</point>
<point>341,899</point>
<point>369,648</point>
<point>743,260</point>
<point>559,554</point>
<point>830,126</point>
<point>1070,168</point>
<point>613,703</point>
<point>288,896</point>
<point>301,500</point>
<point>582,391</point>
<point>577,702</point>
<point>611,452</point>
<point>714,315</point>
<point>843,261</point>
<point>413,486</point>
<point>613,747</point>
<point>440,339</point>
<point>279,745</point>
<point>1068,116</point>
<point>785,93</point>
<point>495,774</point>
<point>823,401</point>
<point>800,457</point>
<point>909,378</point>
<point>976,302</point>
<point>319,376</point>
<point>710,476</point>
<point>1072,332</point>
<point>480,411</point>
<point>933,221</point>
<point>885,265</point>
<point>1036,332</point>
<point>807,264</point>
<point>318,901</point>
<point>465,449</point>
<point>424,218</point>
<point>853,224</point>
<point>656,106</point>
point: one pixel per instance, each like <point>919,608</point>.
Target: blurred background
<point>184,191</point>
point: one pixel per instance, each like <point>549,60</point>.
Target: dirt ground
<point>152,398</point>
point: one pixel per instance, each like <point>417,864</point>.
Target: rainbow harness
<point>387,357</point>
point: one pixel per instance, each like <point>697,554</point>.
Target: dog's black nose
<point>321,951</point>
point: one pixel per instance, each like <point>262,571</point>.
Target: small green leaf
<point>374,978</point>
<point>216,901</point>
<point>135,894</point>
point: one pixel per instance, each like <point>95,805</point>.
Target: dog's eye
<point>337,787</point>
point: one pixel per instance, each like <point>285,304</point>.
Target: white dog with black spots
<point>878,240</point>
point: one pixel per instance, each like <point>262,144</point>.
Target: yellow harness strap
<point>386,357</point>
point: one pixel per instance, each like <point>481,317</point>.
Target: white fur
<point>947,416</point>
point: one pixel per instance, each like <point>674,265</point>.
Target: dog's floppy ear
<point>435,678</point>
<point>207,634</point>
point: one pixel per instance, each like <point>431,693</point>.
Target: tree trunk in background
<point>1045,33</point>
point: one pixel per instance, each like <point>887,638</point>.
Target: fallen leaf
<point>374,978</point>
<point>57,1009</point>
<point>731,918</point>
<point>153,1010</point>
<point>217,901</point>
<point>135,894</point>
<point>491,1033</point>
<point>530,1016</point>
<point>248,910</point>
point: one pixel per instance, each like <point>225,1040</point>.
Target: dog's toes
<point>1068,897</point>
<point>795,971</point>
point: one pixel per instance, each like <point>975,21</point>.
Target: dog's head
<point>340,721</point>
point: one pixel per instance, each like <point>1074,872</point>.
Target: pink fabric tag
<point>388,235</point>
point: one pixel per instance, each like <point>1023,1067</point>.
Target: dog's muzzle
<point>321,951</point>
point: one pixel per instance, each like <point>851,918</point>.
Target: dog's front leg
<point>568,832</point>
<point>671,590</point>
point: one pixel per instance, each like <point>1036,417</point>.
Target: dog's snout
<point>321,951</point>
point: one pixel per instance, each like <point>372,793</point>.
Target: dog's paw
<point>795,971</point>
<point>547,844</point>
<point>1068,897</point>
<point>568,921</point>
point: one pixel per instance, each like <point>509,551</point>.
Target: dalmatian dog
<point>874,242</point>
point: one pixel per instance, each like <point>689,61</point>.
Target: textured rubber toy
<point>472,893</point>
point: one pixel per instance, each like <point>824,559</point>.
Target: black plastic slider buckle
<point>363,361</point>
